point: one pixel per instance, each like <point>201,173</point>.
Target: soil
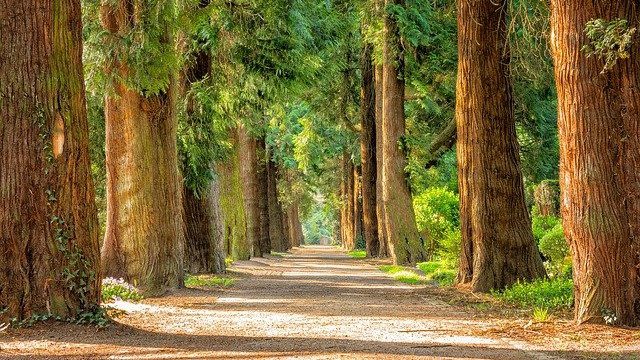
<point>318,303</point>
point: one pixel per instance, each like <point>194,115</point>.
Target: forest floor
<point>318,303</point>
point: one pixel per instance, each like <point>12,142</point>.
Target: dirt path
<point>316,303</point>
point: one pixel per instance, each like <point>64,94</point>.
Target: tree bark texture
<point>204,231</point>
<point>263,195</point>
<point>49,258</point>
<point>405,244</point>
<point>348,208</point>
<point>368,152</point>
<point>498,247</point>
<point>249,171</point>
<point>144,234</point>
<point>276,228</point>
<point>358,231</point>
<point>598,122</point>
<point>237,245</point>
<point>382,238</point>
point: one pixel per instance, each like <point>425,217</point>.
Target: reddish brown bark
<point>358,231</point>
<point>277,235</point>
<point>405,244</point>
<point>204,231</point>
<point>368,152</point>
<point>382,238</point>
<point>497,244</point>
<point>144,235</point>
<point>348,207</point>
<point>48,221</point>
<point>263,195</point>
<point>599,160</point>
<point>249,171</point>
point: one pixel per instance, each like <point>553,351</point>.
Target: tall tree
<point>598,121</point>
<point>498,247</point>
<point>49,259</point>
<point>405,244</point>
<point>144,236</point>
<point>249,171</point>
<point>380,219</point>
<point>263,195</point>
<point>368,151</point>
<point>277,235</point>
<point>348,206</point>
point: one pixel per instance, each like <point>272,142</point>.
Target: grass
<point>228,261</point>
<point>438,271</point>
<point>403,275</point>
<point>357,254</point>
<point>540,314</point>
<point>277,253</point>
<point>552,294</point>
<point>207,280</point>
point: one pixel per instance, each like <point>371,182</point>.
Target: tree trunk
<point>294,225</point>
<point>143,240</point>
<point>263,195</point>
<point>249,170</point>
<point>405,244</point>
<point>382,238</point>
<point>599,160</point>
<point>49,259</point>
<point>232,204</point>
<point>276,230</point>
<point>368,152</point>
<point>348,240</point>
<point>286,230</point>
<point>498,247</point>
<point>358,235</point>
<point>204,231</point>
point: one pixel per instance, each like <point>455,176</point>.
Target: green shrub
<point>207,280</point>
<point>437,213</point>
<point>118,289</point>
<point>403,275</point>
<point>554,247</point>
<point>439,271</point>
<point>357,254</point>
<point>449,250</point>
<point>549,294</point>
<point>541,225</point>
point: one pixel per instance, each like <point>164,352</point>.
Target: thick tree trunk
<point>497,244</point>
<point>286,229</point>
<point>368,152</point>
<point>598,121</point>
<point>276,230</point>
<point>249,170</point>
<point>382,238</point>
<point>405,244</point>
<point>263,195</point>
<point>204,231</point>
<point>49,259</point>
<point>295,226</point>
<point>237,245</point>
<point>143,239</point>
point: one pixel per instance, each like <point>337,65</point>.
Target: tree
<point>405,244</point>
<point>144,235</point>
<point>277,234</point>
<point>368,152</point>
<point>250,188</point>
<point>498,247</point>
<point>49,259</point>
<point>600,154</point>
<point>263,195</point>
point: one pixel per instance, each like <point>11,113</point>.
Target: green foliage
<point>99,317</point>
<point>541,225</point>
<point>440,271</point>
<point>554,247</point>
<point>608,40</point>
<point>208,281</point>
<point>401,274</point>
<point>540,314</point>
<point>118,289</point>
<point>549,294</point>
<point>277,253</point>
<point>437,214</point>
<point>357,254</point>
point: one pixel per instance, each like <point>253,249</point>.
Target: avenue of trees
<point>149,139</point>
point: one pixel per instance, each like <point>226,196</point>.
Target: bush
<point>207,280</point>
<point>439,271</point>
<point>541,224</point>
<point>437,213</point>
<point>118,289</point>
<point>549,294</point>
<point>554,247</point>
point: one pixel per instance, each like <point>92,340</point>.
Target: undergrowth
<point>118,289</point>
<point>438,271</point>
<point>401,274</point>
<point>207,280</point>
<point>357,254</point>
<point>554,294</point>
